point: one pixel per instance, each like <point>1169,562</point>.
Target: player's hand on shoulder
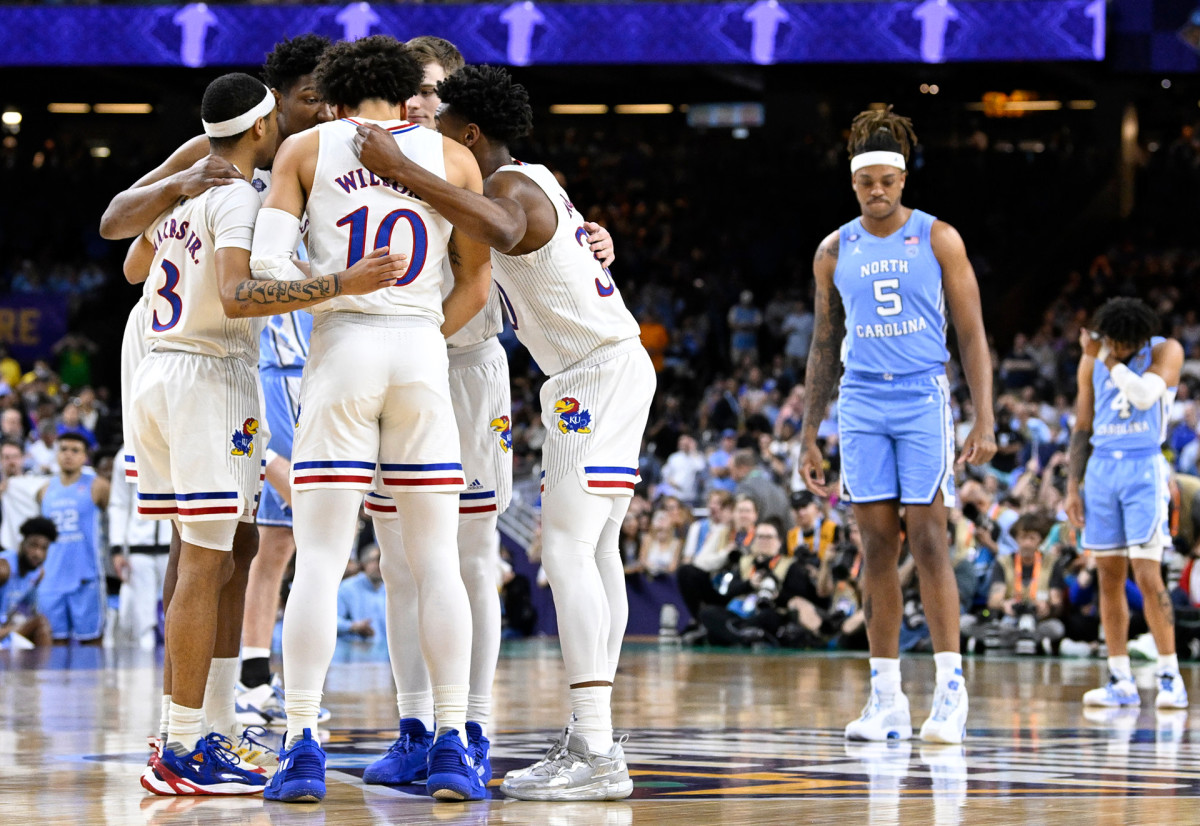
<point>378,269</point>
<point>377,150</point>
<point>209,171</point>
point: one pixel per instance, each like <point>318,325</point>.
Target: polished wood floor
<point>714,738</point>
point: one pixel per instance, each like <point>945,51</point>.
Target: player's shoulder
<point>827,250</point>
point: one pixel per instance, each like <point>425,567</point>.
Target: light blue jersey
<point>284,341</point>
<point>19,594</point>
<point>71,594</point>
<point>1126,492</point>
<point>74,558</point>
<point>1118,428</point>
<point>891,289</point>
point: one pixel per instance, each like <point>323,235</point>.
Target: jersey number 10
<point>357,221</point>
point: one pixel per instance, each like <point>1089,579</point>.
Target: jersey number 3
<point>168,292</point>
<point>889,302</point>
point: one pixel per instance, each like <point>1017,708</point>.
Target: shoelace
<point>249,740</point>
<point>221,749</point>
<point>1166,682</point>
<point>403,745</point>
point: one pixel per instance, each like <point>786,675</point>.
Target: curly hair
<point>1126,320</point>
<point>881,129</point>
<point>430,49</point>
<point>291,59</point>
<point>487,97</point>
<point>39,526</point>
<point>379,66</point>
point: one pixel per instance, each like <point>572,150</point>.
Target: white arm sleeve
<point>1143,391</point>
<point>276,234</point>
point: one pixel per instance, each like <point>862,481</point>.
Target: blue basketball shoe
<point>1120,690</point>
<point>211,768</point>
<point>452,773</point>
<point>300,777</point>
<point>479,747</point>
<point>407,760</point>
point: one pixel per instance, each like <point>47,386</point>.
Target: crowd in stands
<point>722,290</point>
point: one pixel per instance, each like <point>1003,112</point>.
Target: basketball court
<point>715,738</point>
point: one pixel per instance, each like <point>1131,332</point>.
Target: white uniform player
<point>196,412</point>
<point>383,422</point>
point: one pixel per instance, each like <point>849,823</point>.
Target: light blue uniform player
<point>1126,490</point>
<point>895,427</point>
<point>1127,380</point>
<point>72,592</point>
<point>886,285</point>
<point>283,351</point>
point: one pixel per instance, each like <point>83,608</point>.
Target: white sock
<point>303,708</point>
<point>185,728</point>
<point>450,710</point>
<point>592,707</point>
<point>418,705</point>
<point>949,666</point>
<point>885,673</point>
<point>219,693</point>
<point>165,718</point>
<point>1168,663</point>
<point>479,710</point>
<point>1119,667</point>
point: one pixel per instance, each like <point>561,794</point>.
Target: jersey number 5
<point>357,220</point>
<point>890,299</point>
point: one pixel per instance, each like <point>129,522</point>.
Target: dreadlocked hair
<point>291,59</point>
<point>881,130</point>
<point>487,97</point>
<point>1126,320</point>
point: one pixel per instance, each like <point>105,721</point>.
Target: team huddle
<point>383,252</point>
<point>326,271</point>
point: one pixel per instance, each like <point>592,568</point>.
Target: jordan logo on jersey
<point>243,440</point>
<point>572,418</point>
<point>503,426</point>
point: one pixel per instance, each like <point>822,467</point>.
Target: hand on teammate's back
<point>378,269</point>
<point>209,171</point>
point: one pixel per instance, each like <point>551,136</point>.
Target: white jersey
<point>487,323</point>
<point>351,211</point>
<point>185,310</point>
<point>562,304</point>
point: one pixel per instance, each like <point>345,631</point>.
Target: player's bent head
<point>487,97</point>
<point>430,49</point>
<point>235,105</point>
<point>292,59</point>
<point>1126,321</point>
<point>378,67</point>
<point>39,526</point>
<point>881,130</point>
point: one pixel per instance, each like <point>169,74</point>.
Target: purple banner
<point>30,323</point>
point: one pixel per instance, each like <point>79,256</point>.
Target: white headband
<point>877,157</point>
<point>238,125</point>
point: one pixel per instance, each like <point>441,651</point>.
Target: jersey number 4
<point>1121,405</point>
<point>889,302</point>
<point>357,221</point>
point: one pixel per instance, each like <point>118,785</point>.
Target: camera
<point>982,521</point>
<point>845,554</point>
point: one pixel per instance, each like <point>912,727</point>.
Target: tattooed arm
<point>246,297</point>
<point>1081,433</point>
<point>824,362</point>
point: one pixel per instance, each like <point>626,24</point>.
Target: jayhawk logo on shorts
<point>572,418</point>
<point>243,440</point>
<point>503,426</point>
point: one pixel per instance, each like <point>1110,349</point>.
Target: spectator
<point>719,462</point>
<point>75,352</point>
<point>12,427</point>
<point>42,452</point>
<point>798,326</point>
<point>18,492</point>
<point>744,322</point>
<point>698,577</point>
<point>22,625</point>
<point>10,369</point>
<point>755,483</point>
<point>658,553</point>
<point>139,555</point>
<point>70,421</point>
<point>655,337</point>
<point>362,600</point>
<point>683,473</point>
<point>811,532</point>
<point>751,612</point>
<point>698,532</point>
